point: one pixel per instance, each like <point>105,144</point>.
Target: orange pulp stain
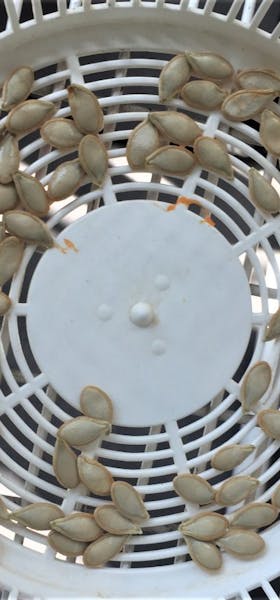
<point>182,200</point>
<point>209,221</point>
<point>70,245</point>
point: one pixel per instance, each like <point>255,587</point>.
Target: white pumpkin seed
<point>81,431</point>
<point>242,542</point>
<point>143,140</point>
<point>275,498</point>
<point>205,526</point>
<point>94,475</point>
<point>86,110</point>
<point>9,158</point>
<point>65,180</point>
<point>204,554</point>
<point>63,545</point>
<point>80,527</point>
<point>209,65</point>
<point>93,158</point>
<point>258,79</point>
<point>28,228</point>
<point>254,515</point>
<point>273,327</point>
<point>11,251</point>
<point>245,104</point>
<point>17,87</point>
<point>254,385</point>
<point>96,404</point>
<point>128,501</point>
<point>213,156</point>
<point>269,421</point>
<point>5,303</point>
<point>193,488</point>
<point>235,489</point>
<point>175,127</point>
<point>32,194</point>
<point>8,197</point>
<point>262,193</point>
<point>28,116</point>
<point>171,160</point>
<point>61,133</point>
<point>4,513</point>
<point>110,519</point>
<point>37,515</point>
<point>231,456</point>
<point>104,549</point>
<point>205,95</point>
<point>270,132</point>
<point>65,465</point>
<point>172,77</point>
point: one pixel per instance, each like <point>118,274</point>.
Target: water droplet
<point>104,312</point>
<point>162,282</point>
<point>158,347</point>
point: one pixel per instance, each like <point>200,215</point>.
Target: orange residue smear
<point>70,245</point>
<point>182,200</point>
<point>60,248</point>
<point>209,221</point>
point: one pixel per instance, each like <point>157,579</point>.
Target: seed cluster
<point>98,536</point>
<point>23,199</point>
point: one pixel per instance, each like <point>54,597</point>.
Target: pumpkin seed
<point>231,456</point>
<point>32,194</point>
<point>269,421</point>
<point>275,498</point>
<point>209,65</point>
<point>80,527</point>
<point>17,87</point>
<point>86,110</point>
<point>175,127</point>
<point>65,465</point>
<point>206,526</point>
<point>255,515</point>
<point>171,160</point>
<point>205,95</point>
<point>65,180</point>
<point>96,404</point>
<point>81,431</point>
<point>63,545</point>
<point>255,384</point>
<point>93,158</point>
<point>172,77</point>
<point>2,232</point>
<point>273,327</point>
<point>258,79</point>
<point>213,156</point>
<point>235,489</point>
<point>37,515</point>
<point>204,554</point>
<point>143,140</point>
<point>9,158</point>
<point>270,132</point>
<point>193,488</point>
<point>11,251</point>
<point>104,549</point>
<point>28,116</point>
<point>4,513</point>
<point>8,197</point>
<point>110,519</point>
<point>128,501</point>
<point>94,475</point>
<point>5,303</point>
<point>242,542</point>
<point>262,193</point>
<point>61,133</point>
<point>245,104</point>
<point>28,228</point>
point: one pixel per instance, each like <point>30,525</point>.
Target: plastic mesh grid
<point>126,84</point>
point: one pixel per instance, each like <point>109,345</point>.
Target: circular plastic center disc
<point>150,305</point>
